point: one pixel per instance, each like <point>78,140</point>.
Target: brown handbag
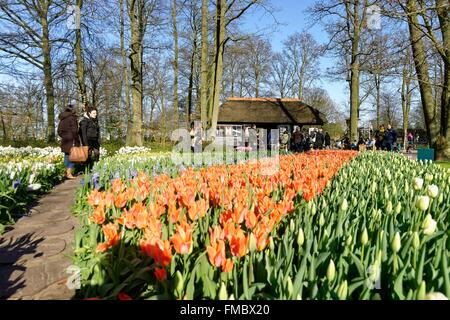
<point>79,154</point>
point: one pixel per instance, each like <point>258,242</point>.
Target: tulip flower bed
<point>24,174</point>
<point>178,237</point>
<point>379,232</point>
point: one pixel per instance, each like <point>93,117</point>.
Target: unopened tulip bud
<point>179,282</point>
<point>398,209</point>
<point>331,271</point>
<point>389,207</point>
<point>342,290</point>
<point>417,183</point>
<point>441,198</point>
<point>416,240</point>
<point>364,237</point>
<point>432,190</point>
<point>223,294</point>
<point>313,209</point>
<point>423,202</point>
<point>428,177</point>
<point>300,237</point>
<point>349,240</point>
<point>321,220</point>
<point>231,297</point>
<point>422,291</point>
<point>252,242</point>
<point>271,244</point>
<point>290,286</point>
<point>406,188</point>
<point>292,225</point>
<point>396,243</point>
<point>394,190</point>
<point>344,205</point>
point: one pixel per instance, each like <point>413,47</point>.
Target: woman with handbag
<point>90,135</point>
<point>68,131</point>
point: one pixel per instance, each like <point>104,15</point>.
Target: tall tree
<point>79,58</point>
<point>304,53</point>
<point>348,24</point>
<point>28,39</point>
<point>126,81</point>
<point>204,65</point>
<point>438,128</point>
<point>175,61</point>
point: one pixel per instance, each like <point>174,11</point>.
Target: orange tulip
<point>216,253</point>
<point>95,198</point>
<point>239,244</point>
<point>157,249</point>
<point>120,200</point>
<point>216,234</point>
<point>227,266</point>
<point>98,216</point>
<point>111,235</point>
<point>117,186</point>
<point>109,200</point>
<point>182,239</point>
<point>160,274</point>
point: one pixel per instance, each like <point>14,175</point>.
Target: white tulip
<point>435,296</point>
<point>417,183</point>
<point>34,186</point>
<point>423,202</point>
<point>433,190</point>
<point>429,225</point>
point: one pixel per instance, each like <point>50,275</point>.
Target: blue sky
<point>293,18</point>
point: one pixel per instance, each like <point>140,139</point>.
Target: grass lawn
<point>444,164</point>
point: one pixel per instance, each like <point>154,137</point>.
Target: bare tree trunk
<point>126,81</point>
<point>218,70</point>
<point>80,61</point>
<point>175,63</point>
<point>192,68</point>
<point>204,65</point>
<point>443,143</point>
<point>48,78</point>
<point>354,70</point>
<point>426,92</point>
<point>406,101</point>
<point>378,89</point>
<point>257,82</point>
<point>136,75</point>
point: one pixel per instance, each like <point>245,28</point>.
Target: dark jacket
<point>327,139</point>
<point>390,136</point>
<point>68,130</point>
<point>319,139</point>
<point>90,133</point>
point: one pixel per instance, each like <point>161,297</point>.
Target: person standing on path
<point>68,131</point>
<point>318,144</point>
<point>379,135</point>
<point>327,140</point>
<point>390,137</point>
<point>90,135</point>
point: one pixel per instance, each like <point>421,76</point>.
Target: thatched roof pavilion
<point>269,112</point>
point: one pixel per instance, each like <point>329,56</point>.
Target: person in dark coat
<point>390,137</point>
<point>318,144</point>
<point>90,134</point>
<point>68,131</point>
<point>327,141</point>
